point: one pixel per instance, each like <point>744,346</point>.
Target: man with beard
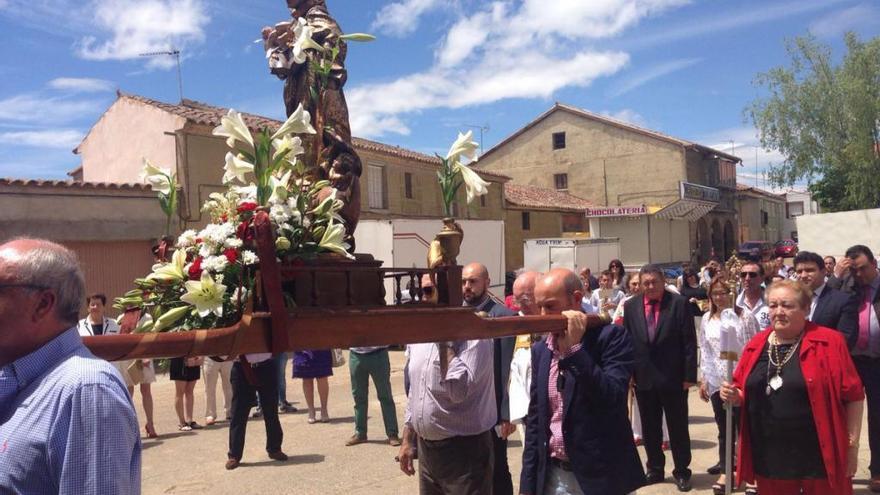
<point>475,291</point>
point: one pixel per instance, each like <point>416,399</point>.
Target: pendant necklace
<point>775,382</point>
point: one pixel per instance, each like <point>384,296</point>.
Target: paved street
<point>320,463</point>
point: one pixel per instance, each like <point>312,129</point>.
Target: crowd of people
<point>584,399</point>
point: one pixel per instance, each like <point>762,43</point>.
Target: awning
<point>686,209</point>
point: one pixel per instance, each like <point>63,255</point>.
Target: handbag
<point>338,358</point>
<point>135,372</point>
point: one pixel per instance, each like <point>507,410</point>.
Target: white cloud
<point>850,19</point>
<point>134,27</point>
<point>499,51</point>
<point>627,115</point>
<point>38,108</point>
<point>402,18</point>
<point>81,85</point>
<point>48,138</point>
<point>657,71</point>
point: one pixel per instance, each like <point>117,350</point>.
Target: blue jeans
<point>282,380</point>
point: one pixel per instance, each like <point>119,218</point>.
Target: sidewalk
<point>320,463</point>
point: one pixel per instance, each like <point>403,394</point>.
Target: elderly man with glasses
<point>67,424</point>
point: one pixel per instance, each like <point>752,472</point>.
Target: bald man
<point>475,284</point>
<point>521,365</point>
<point>578,438</point>
<point>67,424</point>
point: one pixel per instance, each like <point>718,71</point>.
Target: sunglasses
<point>748,274</point>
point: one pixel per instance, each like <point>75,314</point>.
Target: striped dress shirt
<point>67,424</point>
<point>461,405</point>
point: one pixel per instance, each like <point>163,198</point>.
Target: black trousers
<point>652,405</point>
<point>502,484</point>
<point>869,371</point>
<point>721,422</point>
<point>456,466</point>
<point>243,399</point>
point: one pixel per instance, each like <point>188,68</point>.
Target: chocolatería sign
<point>617,211</point>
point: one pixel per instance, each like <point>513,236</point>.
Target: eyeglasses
<point>428,290</point>
<point>748,274</point>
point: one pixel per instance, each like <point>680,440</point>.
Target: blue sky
<point>684,67</point>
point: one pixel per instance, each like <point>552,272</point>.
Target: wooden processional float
<point>340,303</point>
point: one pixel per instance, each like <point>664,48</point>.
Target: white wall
<point>832,233</point>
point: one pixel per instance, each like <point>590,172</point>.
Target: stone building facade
<point>688,188</point>
<point>761,214</point>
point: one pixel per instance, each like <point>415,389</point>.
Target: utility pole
<point>756,166</point>
<point>176,54</point>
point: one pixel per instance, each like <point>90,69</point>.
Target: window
<point>407,185</point>
<point>561,181</point>
<point>558,140</point>
<point>483,200</point>
<point>526,221</point>
<point>376,186</point>
<point>573,222</point>
<point>794,209</point>
<point>765,218</point>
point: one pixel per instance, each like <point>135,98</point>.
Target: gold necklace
<point>775,382</point>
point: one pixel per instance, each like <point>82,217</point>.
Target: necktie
<point>865,319</point>
<point>8,389</point>
<point>652,320</point>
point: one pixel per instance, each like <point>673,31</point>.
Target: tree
<point>825,120</point>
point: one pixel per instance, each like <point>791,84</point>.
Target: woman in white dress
<point>714,369</point>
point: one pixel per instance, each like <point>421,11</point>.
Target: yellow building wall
<point>605,164</point>
<point>543,224</point>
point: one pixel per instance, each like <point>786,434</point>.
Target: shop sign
<point>617,211</point>
<point>697,192</point>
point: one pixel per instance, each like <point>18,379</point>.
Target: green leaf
<point>361,37</point>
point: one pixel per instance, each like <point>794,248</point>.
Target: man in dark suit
<point>578,440</point>
<point>665,342</point>
<point>830,308</point>
<point>857,275</point>
<point>475,291</point>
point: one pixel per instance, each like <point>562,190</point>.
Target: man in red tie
<point>665,342</point>
<point>857,274</point>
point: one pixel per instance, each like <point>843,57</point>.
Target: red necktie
<point>652,320</point>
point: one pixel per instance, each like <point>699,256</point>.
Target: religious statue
<point>308,53</point>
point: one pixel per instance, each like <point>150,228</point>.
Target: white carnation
<point>187,239</point>
<point>249,258</point>
<point>232,242</point>
<point>215,264</point>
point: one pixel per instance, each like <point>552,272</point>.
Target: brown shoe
<point>394,441</point>
<point>874,484</point>
<point>232,463</point>
<point>278,456</point>
<point>354,440</point>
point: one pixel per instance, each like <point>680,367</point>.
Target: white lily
<point>236,167</point>
<point>158,178</point>
<point>464,145</point>
<point>170,272</point>
<point>473,183</point>
<point>304,41</point>
<point>332,240</point>
<point>205,294</point>
<point>288,142</point>
<point>233,128</point>
<point>279,187</point>
<point>299,122</point>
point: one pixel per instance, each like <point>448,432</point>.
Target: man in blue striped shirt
<point>67,424</point>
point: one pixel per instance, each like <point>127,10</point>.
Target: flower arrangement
<point>453,173</point>
<point>164,182</point>
<point>207,281</point>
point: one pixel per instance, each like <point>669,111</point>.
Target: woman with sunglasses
<point>801,402</point>
<point>714,369</point>
<point>617,274</point>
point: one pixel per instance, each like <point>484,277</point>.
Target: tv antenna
<point>176,54</point>
<point>483,128</point>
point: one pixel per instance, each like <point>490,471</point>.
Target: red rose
<point>244,232</point>
<point>198,240</point>
<point>224,218</point>
<point>231,254</point>
<point>247,206</point>
<point>195,270</point>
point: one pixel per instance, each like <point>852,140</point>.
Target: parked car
<point>755,250</point>
<point>787,248</point>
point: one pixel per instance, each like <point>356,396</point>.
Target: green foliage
<point>825,120</point>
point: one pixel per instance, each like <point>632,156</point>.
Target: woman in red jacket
<point>801,401</point>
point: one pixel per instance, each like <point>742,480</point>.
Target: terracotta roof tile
<point>539,197</point>
<point>759,191</point>
<point>72,184</point>
<point>204,114</point>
